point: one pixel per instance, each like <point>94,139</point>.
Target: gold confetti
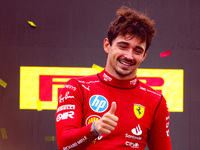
<point>50,138</point>
<point>3,83</point>
<point>31,24</point>
<point>3,133</point>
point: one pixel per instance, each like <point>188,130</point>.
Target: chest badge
<point>98,103</point>
<point>139,110</point>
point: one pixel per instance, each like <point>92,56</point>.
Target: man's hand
<point>108,122</point>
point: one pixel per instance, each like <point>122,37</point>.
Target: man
<point>113,109</point>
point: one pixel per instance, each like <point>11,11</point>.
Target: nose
<point>129,54</point>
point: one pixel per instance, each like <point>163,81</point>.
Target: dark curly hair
<point>131,23</point>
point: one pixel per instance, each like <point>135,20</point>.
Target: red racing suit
<point>142,112</point>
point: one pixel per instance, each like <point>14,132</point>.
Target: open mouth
<point>126,63</point>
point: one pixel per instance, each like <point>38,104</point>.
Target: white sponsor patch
<point>75,144</point>
<point>65,116</point>
<point>68,86</point>
<point>62,99</point>
<point>132,144</point>
<point>65,107</point>
<point>137,130</point>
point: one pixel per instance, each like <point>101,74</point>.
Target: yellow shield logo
<point>139,110</point>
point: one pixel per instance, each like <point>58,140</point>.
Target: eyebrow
<point>121,42</point>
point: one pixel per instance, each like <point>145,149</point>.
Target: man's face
<point>124,56</point>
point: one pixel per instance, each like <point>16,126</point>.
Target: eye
<point>138,51</point>
<point>122,46</point>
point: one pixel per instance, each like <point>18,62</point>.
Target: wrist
<point>93,131</point>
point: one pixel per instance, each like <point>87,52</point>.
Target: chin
<point>124,73</point>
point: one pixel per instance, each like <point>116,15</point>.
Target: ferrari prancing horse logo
<point>139,110</point>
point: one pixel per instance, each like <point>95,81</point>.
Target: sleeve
<point>159,137</point>
<point>70,132</point>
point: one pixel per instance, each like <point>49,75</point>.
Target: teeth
<point>125,63</point>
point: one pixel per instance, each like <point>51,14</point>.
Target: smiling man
<point>124,56</point>
<point>113,109</point>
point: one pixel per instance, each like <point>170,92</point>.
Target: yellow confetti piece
<point>50,138</point>
<point>94,66</point>
<point>39,107</point>
<point>31,24</point>
<point>3,133</point>
<point>3,83</point>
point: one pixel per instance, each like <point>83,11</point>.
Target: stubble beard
<point>123,72</point>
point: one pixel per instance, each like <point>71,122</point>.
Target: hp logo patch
<point>98,103</point>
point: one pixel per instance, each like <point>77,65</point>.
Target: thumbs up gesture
<point>108,122</point>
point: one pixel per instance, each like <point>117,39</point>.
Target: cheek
<point>138,59</point>
<point>119,53</point>
<point>111,58</point>
<point>113,54</point>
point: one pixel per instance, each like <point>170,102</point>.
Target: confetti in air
<point>3,133</point>
<point>165,54</point>
<point>31,24</point>
<point>50,138</point>
<point>3,83</point>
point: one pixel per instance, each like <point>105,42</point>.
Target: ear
<point>106,45</point>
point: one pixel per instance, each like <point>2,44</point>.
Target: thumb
<point>113,108</point>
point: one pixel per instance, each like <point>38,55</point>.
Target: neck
<point>115,82</point>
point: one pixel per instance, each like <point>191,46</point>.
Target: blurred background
<point>70,33</point>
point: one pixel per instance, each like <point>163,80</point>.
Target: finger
<point>111,122</point>
<point>108,118</point>
<point>104,131</point>
<point>105,128</point>
<point>113,108</point>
